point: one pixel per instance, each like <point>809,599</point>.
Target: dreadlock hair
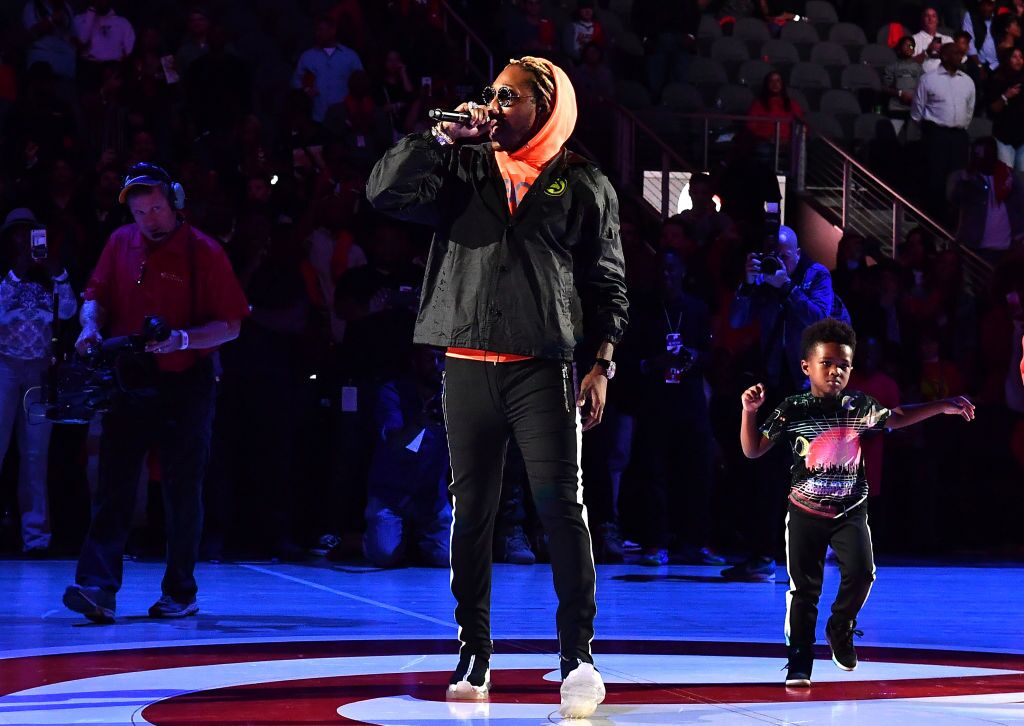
<point>542,80</point>
<point>828,330</point>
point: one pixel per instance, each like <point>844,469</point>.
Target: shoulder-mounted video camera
<point>75,390</point>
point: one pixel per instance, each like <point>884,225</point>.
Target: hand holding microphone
<point>468,121</point>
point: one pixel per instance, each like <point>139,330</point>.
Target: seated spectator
<point>50,25</point>
<point>944,106</point>
<point>978,23</point>
<point>323,71</point>
<point>104,35</point>
<point>774,102</point>
<point>779,12</point>
<point>583,31</point>
<point>355,123</point>
<point>218,87</point>
<point>989,199</point>
<point>1006,107</point>
<point>407,507</point>
<point>899,81</point>
<point>592,79</point>
<point>928,34</point>
<point>705,222</point>
<point>531,32</point>
<point>31,281</point>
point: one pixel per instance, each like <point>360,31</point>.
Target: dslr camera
<point>75,390</point>
<point>770,263</point>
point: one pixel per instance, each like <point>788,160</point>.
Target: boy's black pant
<point>807,538</point>
<point>534,400</point>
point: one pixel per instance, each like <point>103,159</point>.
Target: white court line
<point>350,596</point>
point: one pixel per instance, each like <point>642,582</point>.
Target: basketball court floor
<point>332,644</point>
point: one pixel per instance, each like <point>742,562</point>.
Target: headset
<point>145,170</point>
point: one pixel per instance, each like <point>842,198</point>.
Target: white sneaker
<point>467,682</point>
<point>582,692</point>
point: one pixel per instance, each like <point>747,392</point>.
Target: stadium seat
<point>707,31</point>
<point>821,12</point>
<point>614,28</point>
<point>832,56</point>
<point>752,72</point>
<point>824,125</point>
<point>860,76</point>
<point>734,99</point>
<point>632,94</point>
<point>707,75</point>
<point>730,52</point>
<point>681,97</point>
<point>630,44</point>
<point>780,53</point>
<point>795,94</point>
<point>866,125</point>
<point>838,102</point>
<point>752,31</point>
<point>810,78</point>
<point>801,35</point>
<point>877,55</point>
<point>848,35</point>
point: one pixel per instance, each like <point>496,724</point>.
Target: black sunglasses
<point>505,95</point>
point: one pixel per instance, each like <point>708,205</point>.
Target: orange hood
<point>522,167</point>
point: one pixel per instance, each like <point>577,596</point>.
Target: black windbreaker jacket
<point>535,283</point>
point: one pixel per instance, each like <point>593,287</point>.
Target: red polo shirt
<point>132,281</point>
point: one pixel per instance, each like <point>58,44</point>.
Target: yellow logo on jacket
<point>556,188</point>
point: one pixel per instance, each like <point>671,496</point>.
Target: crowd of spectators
<point>328,435</point>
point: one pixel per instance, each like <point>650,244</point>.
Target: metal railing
<point>863,203</point>
<point>483,65</point>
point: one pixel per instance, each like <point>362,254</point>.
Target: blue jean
<point>178,421</point>
<point>393,527</point>
<point>17,376</point>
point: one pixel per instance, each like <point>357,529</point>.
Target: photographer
<point>158,266</point>
<point>786,292</point>
<point>32,281</point>
<point>408,516</point>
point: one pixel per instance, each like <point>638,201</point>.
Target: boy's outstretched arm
<point>754,443</point>
<point>911,414</point>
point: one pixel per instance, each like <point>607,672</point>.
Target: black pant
<point>807,539</point>
<point>177,422</point>
<point>485,404</point>
<point>947,151</point>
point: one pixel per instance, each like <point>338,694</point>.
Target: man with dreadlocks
<point>525,267</point>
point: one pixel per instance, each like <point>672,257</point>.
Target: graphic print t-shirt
<point>824,436</point>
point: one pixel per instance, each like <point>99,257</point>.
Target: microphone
<point>454,117</point>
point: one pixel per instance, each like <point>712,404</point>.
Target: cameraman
<point>158,266</point>
<point>786,292</point>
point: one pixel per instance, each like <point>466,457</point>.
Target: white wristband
<point>184,339</point>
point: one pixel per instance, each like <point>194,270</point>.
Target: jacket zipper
<point>565,387</point>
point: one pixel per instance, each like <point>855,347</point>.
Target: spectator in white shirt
<point>979,24</point>
<point>944,105</point>
<point>929,31</point>
<point>963,42</point>
<point>104,35</point>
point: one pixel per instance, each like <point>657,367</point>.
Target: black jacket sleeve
<point>408,181</point>
<point>602,275</point>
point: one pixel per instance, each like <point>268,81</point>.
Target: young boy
<point>828,495</point>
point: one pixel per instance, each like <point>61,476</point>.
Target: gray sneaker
<point>92,602</point>
<point>168,607</point>
<point>517,548</point>
<point>612,548</point>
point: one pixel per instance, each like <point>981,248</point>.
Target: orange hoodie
<point>522,167</point>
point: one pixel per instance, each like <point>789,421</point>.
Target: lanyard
<point>668,320</point>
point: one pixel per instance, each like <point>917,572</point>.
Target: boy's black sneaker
<point>839,634</point>
<point>471,680</point>
<point>798,669</point>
